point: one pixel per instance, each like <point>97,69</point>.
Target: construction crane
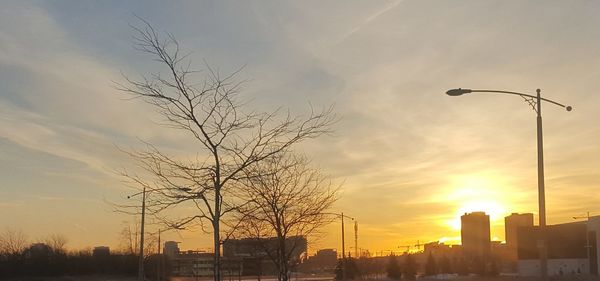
<point>407,248</point>
<point>418,245</point>
<point>391,252</point>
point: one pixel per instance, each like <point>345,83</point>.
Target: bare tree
<point>129,240</point>
<point>56,242</point>
<point>288,200</point>
<point>207,106</point>
<point>12,242</point>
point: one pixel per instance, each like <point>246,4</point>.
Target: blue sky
<point>411,158</point>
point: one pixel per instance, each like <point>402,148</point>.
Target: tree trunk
<point>217,248</point>
<point>283,269</point>
<point>217,232</point>
<point>217,217</point>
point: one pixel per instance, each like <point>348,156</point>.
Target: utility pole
<point>159,261</point>
<point>141,273</point>
<point>343,251</point>
<point>141,253</point>
<point>356,239</point>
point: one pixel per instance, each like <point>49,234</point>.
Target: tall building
<point>511,224</point>
<point>171,249</point>
<point>475,234</point>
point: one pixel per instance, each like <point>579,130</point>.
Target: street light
<point>141,259</point>
<point>536,104</point>
<point>342,216</point>
<point>160,267</point>
<point>344,247</point>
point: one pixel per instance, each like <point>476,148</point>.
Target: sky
<point>411,159</point>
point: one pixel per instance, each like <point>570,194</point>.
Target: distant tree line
<point>49,257</point>
<point>406,267</point>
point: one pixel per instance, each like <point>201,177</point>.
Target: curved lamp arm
<point>460,91</point>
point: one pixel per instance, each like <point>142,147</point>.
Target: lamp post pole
<point>541,191</point>
<point>343,265</point>
<point>356,252</point>
<point>141,252</point>
<point>343,251</point>
<point>536,104</point>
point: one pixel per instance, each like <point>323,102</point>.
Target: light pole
<point>342,216</point>
<point>344,247</point>
<point>141,259</point>
<point>158,263</point>
<point>160,271</point>
<point>536,104</point>
<point>356,239</point>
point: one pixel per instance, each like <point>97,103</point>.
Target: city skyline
<point>411,159</point>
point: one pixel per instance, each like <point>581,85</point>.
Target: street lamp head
<point>458,92</point>
<point>569,108</point>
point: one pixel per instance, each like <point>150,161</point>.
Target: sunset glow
<point>409,159</point>
<point>478,193</point>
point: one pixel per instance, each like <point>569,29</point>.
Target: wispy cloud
<point>401,145</point>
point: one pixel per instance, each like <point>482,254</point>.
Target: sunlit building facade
<point>171,249</point>
<point>475,234</point>
<point>511,224</point>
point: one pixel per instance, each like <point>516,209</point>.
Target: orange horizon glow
<point>410,159</point>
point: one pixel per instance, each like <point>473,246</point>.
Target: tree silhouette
<point>478,266</point>
<point>228,138</point>
<point>158,267</point>
<point>287,200</point>
<point>394,271</point>
<point>461,267</point>
<point>352,271</point>
<point>444,265</point>
<point>431,267</point>
<point>410,267</point>
<point>493,268</point>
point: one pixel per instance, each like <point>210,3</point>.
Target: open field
<point>298,278</point>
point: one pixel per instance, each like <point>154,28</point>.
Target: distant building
<point>171,249</point>
<point>262,247</point>
<point>256,253</point>
<point>566,250</point>
<point>323,261</point>
<point>500,255</point>
<point>593,227</point>
<point>193,263</point>
<point>37,251</point>
<point>101,251</point>
<point>511,224</point>
<point>436,249</point>
<point>475,234</point>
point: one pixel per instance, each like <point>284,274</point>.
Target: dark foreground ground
<point>299,278</point>
<point>72,278</point>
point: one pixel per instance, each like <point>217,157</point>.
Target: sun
<point>475,193</point>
